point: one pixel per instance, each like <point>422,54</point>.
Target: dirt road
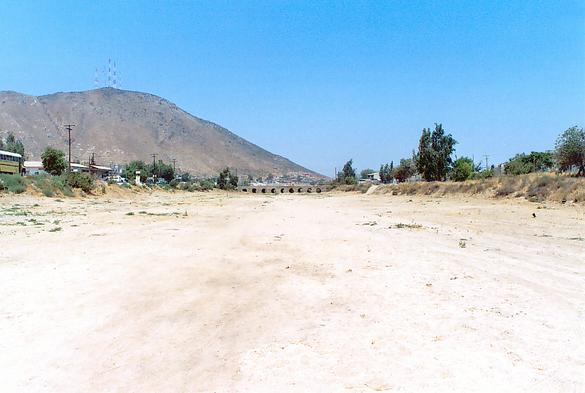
<point>305,293</point>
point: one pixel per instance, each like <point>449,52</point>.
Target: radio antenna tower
<point>114,78</point>
<point>109,73</point>
<point>96,79</point>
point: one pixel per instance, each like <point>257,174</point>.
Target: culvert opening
<point>264,191</point>
<point>253,190</point>
<point>282,190</point>
<point>309,190</point>
<point>291,190</point>
<point>318,190</point>
<point>273,191</point>
<point>300,190</point>
<point>244,190</point>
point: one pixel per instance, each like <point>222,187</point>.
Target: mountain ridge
<point>119,126</point>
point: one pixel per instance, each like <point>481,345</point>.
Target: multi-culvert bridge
<point>281,189</point>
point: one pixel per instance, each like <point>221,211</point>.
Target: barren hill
<point>120,126</point>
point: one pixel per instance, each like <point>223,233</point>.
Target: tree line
<point>433,160</point>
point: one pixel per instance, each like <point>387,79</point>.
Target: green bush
<point>45,184</point>
<point>13,183</point>
<point>206,185</point>
<point>194,187</point>
<point>60,183</point>
<point>174,183</point>
<point>462,169</point>
<point>80,180</point>
<point>485,174</point>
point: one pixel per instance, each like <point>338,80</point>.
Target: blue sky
<point>321,82</point>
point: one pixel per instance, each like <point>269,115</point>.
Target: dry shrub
<point>431,188</point>
<point>504,190</point>
<point>534,187</point>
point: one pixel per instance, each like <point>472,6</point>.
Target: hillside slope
<point>120,126</point>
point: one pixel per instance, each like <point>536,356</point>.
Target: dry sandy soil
<point>210,292</point>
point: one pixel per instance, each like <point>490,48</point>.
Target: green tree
<point>570,150</point>
<point>528,163</point>
<point>233,181</point>
<point>386,172</point>
<point>162,170</point>
<point>463,169</point>
<point>136,165</point>
<point>226,180</point>
<point>425,158</point>
<point>405,170</point>
<point>54,161</point>
<point>13,145</point>
<point>433,159</point>
<point>347,174</point>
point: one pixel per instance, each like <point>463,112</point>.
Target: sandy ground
<point>304,293</point>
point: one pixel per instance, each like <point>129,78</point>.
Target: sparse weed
<point>408,226</point>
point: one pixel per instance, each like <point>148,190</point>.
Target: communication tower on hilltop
<point>114,76</point>
<point>109,73</point>
<point>108,77</point>
<point>96,79</point>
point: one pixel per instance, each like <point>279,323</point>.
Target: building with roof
<point>33,168</point>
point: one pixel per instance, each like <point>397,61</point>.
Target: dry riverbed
<point>215,292</point>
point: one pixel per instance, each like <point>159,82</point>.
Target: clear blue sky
<point>321,82</point>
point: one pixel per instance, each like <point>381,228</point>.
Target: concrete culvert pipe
<point>318,190</point>
<point>244,190</point>
<point>282,190</point>
<point>300,190</point>
<point>264,191</point>
<point>309,190</point>
<point>291,190</point>
<point>273,191</point>
<point>253,190</point>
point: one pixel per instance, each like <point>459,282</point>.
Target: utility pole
<point>91,161</point>
<point>69,127</point>
<point>154,165</point>
<point>486,161</point>
<point>175,166</point>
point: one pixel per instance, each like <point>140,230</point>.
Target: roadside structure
<point>374,176</point>
<point>34,168</point>
<point>100,170</point>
